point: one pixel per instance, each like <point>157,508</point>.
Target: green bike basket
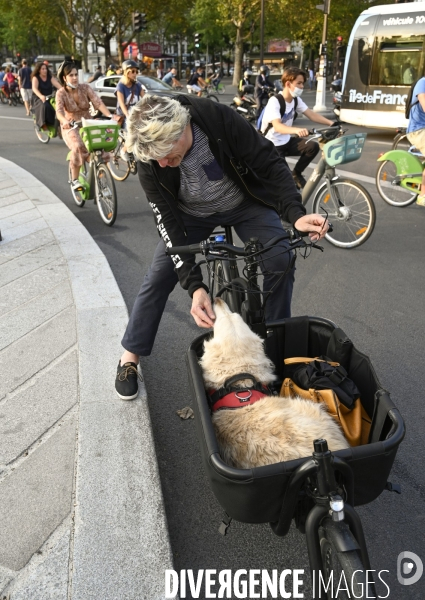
<point>344,149</point>
<point>100,136</point>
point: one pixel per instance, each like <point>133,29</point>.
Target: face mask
<point>73,87</point>
<point>296,92</point>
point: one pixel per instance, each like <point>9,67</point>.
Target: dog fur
<point>273,429</point>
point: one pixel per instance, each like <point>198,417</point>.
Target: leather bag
<point>354,421</point>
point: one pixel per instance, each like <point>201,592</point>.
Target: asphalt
<point>81,507</point>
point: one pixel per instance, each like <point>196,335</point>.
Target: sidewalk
<point>81,508</point>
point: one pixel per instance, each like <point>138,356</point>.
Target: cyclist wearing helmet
<point>262,87</point>
<point>110,71</point>
<point>72,104</point>
<point>245,85</point>
<point>129,91</point>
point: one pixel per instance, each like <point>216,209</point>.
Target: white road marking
<point>28,120</point>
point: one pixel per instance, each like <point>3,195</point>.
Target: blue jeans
<point>249,219</point>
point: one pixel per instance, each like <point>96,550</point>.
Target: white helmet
<point>247,73</point>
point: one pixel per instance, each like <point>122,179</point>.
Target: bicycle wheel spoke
<point>351,211</point>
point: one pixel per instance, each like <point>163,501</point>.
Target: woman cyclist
<point>72,104</point>
<point>10,83</point>
<point>43,83</point>
<point>129,91</point>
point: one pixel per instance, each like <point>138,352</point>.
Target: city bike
<point>207,92</point>
<point>399,176</point>
<point>46,133</point>
<point>319,493</point>
<point>349,206</point>
<point>96,181</point>
<point>120,168</point>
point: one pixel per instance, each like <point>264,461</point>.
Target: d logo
<point>409,568</point>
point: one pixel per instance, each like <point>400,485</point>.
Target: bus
<point>385,55</point>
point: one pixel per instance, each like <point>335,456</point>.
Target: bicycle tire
<point>106,195</point>
<point>78,198</point>
<point>19,98</point>
<point>222,276</point>
<point>3,98</point>
<point>221,88</point>
<point>340,566</point>
<point>354,217</point>
<point>401,142</point>
<point>14,99</point>
<point>394,195</point>
<point>119,168</point>
<point>43,135</point>
<point>213,97</point>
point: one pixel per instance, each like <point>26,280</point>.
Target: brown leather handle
<point>304,359</point>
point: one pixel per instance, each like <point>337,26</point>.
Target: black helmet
<point>264,69</point>
<point>112,67</point>
<point>129,64</point>
<point>61,69</point>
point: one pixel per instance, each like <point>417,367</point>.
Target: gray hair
<point>154,126</point>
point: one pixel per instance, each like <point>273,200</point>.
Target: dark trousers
<point>249,220</point>
<point>261,102</point>
<point>305,149</point>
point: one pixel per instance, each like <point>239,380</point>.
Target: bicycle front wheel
<point>42,134</point>
<point>213,97</point>
<point>120,168</point>
<point>106,195</point>
<point>394,195</point>
<point>3,97</point>
<point>14,99</point>
<point>351,211</point>
<point>221,88</point>
<point>343,573</point>
<point>77,194</point>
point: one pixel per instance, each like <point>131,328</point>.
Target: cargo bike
<point>319,492</point>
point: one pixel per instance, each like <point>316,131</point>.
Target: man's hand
<point>315,225</point>
<point>201,309</point>
<point>301,132</point>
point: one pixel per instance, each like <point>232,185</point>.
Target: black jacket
<point>260,83</point>
<point>250,160</point>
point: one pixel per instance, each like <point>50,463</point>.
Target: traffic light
<point>139,21</point>
<point>339,41</point>
<point>143,21</point>
<point>197,40</point>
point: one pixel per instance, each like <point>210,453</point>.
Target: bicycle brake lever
<point>317,246</point>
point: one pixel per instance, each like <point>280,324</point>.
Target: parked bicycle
<point>399,176</point>
<point>320,492</point>
<point>96,181</point>
<point>120,168</point>
<point>349,206</point>
<point>47,132</point>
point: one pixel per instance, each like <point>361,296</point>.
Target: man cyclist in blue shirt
<point>416,128</point>
<point>171,78</point>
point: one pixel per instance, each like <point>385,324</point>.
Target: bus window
<point>365,54</point>
<point>397,62</point>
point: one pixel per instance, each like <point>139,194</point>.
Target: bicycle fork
<point>330,502</point>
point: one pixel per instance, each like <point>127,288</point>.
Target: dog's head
<point>233,349</point>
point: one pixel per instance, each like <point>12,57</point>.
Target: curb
<point>119,544</point>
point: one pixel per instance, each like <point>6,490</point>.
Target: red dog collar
<point>237,399</point>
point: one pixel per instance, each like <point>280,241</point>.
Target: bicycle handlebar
<point>207,247</point>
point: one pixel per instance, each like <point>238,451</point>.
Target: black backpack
<point>409,104</point>
<point>282,104</point>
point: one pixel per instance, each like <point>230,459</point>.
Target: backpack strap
<point>282,104</point>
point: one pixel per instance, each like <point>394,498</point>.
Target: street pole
<point>320,105</point>
<point>262,33</point>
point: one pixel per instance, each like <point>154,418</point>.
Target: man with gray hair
<point>202,165</point>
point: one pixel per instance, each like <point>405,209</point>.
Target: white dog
<point>272,429</point>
